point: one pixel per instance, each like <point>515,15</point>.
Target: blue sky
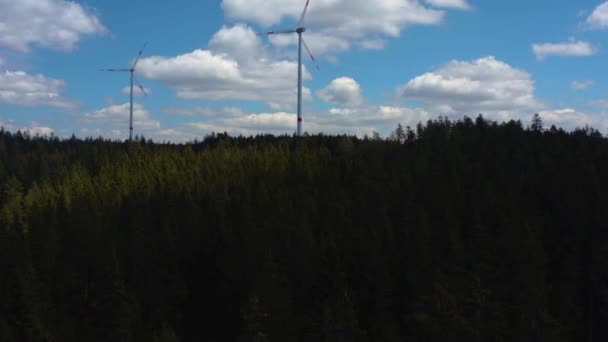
<point>381,63</point>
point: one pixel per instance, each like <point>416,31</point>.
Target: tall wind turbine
<point>299,30</point>
<point>131,70</point>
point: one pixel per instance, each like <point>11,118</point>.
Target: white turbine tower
<point>299,30</point>
<point>131,70</point>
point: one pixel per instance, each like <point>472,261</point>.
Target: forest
<point>453,230</point>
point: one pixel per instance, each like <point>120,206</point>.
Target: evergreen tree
<point>464,230</point>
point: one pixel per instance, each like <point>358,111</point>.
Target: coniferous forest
<point>463,230</point>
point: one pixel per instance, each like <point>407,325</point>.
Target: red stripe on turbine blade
<point>300,120</point>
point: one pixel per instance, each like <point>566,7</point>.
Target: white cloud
<point>264,123</point>
<point>335,25</point>
<point>359,121</point>
<point>118,116</point>
<point>493,88</point>
<point>459,4</point>
<point>603,104</point>
<point>319,43</point>
<point>203,111</point>
<point>356,121</point>
<point>233,111</point>
<point>569,118</point>
<point>366,119</point>
<point>136,91</point>
<point>599,18</point>
<point>343,91</point>
<point>32,129</point>
<point>8,125</point>
<point>571,48</point>
<point>235,68</point>
<point>54,24</point>
<point>250,124</point>
<point>354,18</point>
<point>21,89</point>
<point>239,42</point>
<point>40,130</point>
<point>197,111</point>
<point>486,85</point>
<point>582,85</point>
<point>373,44</point>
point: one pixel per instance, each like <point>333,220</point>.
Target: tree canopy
<point>454,230</point>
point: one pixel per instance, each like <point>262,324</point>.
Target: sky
<point>380,63</point>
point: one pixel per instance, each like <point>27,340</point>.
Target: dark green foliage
<point>467,230</point>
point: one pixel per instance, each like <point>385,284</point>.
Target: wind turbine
<point>131,70</point>
<point>299,30</point>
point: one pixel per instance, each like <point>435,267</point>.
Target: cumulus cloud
<point>355,121</point>
<point>249,124</point>
<point>582,85</point>
<point>493,88</point>
<point>486,85</point>
<point>118,116</point>
<point>459,4</point>
<point>32,129</point>
<point>603,104</point>
<point>367,119</point>
<point>353,18</point>
<point>343,91</point>
<point>8,125</point>
<point>372,44</point>
<point>203,111</point>
<point>571,48</point>
<point>40,130</point>
<point>570,118</point>
<point>358,121</point>
<point>136,91</point>
<point>599,17</point>
<point>236,67</point>
<point>196,111</point>
<point>22,89</point>
<point>263,123</point>
<point>319,43</point>
<point>54,24</point>
<point>343,22</point>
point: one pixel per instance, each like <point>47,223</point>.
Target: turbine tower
<point>131,70</point>
<point>300,29</point>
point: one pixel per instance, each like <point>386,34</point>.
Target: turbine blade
<point>139,85</point>
<point>141,52</point>
<point>303,14</point>
<point>122,70</point>
<point>143,90</point>
<point>276,32</point>
<point>314,61</point>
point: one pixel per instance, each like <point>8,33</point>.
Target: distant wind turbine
<point>299,30</point>
<point>133,78</point>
